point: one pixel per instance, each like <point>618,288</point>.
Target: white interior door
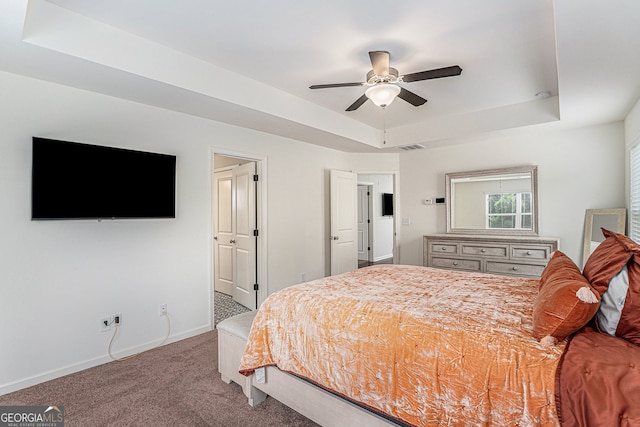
<point>244,241</point>
<point>223,232</point>
<point>363,223</point>
<point>344,229</point>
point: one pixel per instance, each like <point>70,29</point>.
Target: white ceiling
<point>250,63</point>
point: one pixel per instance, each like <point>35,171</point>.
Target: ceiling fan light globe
<point>382,94</point>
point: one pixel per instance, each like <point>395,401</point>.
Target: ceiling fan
<point>382,81</point>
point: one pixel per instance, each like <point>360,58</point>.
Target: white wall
<point>632,125</point>
<point>578,169</point>
<point>60,277</point>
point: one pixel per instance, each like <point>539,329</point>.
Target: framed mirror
<point>610,219</point>
<point>495,201</point>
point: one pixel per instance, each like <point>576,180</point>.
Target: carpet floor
<point>174,385</point>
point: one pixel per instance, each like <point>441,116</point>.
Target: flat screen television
<point>387,204</point>
<point>81,181</point>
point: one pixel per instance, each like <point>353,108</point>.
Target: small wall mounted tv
<point>81,181</point>
<point>387,204</point>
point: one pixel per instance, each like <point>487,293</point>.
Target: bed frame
<point>313,402</point>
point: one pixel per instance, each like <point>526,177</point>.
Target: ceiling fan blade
<point>358,103</point>
<point>330,85</point>
<point>380,62</point>
<point>411,97</point>
<point>454,70</point>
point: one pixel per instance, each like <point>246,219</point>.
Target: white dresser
<point>509,255</point>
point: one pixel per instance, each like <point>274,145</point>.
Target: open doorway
<point>376,229</point>
<point>235,215</point>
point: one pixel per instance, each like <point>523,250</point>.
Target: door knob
<point>232,241</point>
<point>333,237</point>
<point>215,237</point>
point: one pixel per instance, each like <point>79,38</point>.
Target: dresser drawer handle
<point>483,250</point>
<point>444,248</point>
<point>528,252</point>
<point>515,268</point>
<point>455,262</point>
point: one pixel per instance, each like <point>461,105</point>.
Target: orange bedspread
<point>424,346</point>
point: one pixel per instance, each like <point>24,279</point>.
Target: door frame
<point>261,195</point>
<point>369,187</point>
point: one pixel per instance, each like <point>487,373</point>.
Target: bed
<point>423,346</point>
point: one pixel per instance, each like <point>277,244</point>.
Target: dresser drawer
<point>501,251</point>
<point>538,253</point>
<point>508,255</point>
<point>444,248</point>
<point>497,267</point>
<point>458,264</point>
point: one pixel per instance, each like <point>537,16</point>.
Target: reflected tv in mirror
<point>81,181</point>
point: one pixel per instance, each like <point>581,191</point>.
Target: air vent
<point>411,147</point>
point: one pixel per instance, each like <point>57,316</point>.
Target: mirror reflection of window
<point>509,210</point>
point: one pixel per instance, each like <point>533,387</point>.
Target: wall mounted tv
<point>387,204</point>
<point>81,181</point>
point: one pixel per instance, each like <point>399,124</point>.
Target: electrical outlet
<point>105,324</point>
<point>303,277</point>
<point>117,319</point>
<point>163,309</point>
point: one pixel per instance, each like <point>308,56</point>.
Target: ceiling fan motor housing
<point>392,77</point>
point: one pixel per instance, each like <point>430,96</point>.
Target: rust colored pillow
<point>608,259</point>
<point>619,314</point>
<point>565,303</point>
<point>556,263</point>
<point>629,323</point>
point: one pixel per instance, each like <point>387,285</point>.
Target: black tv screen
<point>82,181</point>
<point>387,204</point>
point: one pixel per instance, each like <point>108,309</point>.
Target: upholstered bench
<point>233,334</point>
<point>311,401</point>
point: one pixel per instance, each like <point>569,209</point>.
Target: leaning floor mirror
<point>595,219</point>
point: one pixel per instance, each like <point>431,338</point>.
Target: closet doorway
<point>235,236</point>
<point>376,227</point>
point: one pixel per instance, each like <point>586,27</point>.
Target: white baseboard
<point>383,257</point>
<point>81,366</point>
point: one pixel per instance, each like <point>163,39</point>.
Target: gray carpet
<point>174,385</point>
<point>225,307</point>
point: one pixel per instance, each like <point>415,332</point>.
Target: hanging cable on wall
<point>122,359</point>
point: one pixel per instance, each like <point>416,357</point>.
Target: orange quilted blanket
<point>424,346</point>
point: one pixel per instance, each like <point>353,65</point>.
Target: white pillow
<point>612,303</point>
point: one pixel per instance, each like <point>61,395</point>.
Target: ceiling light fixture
<point>382,94</point>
